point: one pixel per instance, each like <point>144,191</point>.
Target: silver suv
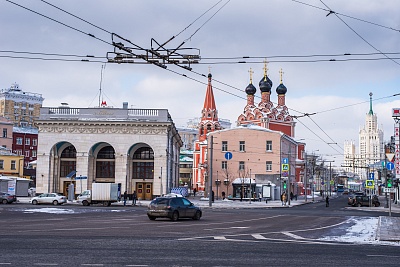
<point>173,208</point>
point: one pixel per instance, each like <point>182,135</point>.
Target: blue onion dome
<point>281,89</point>
<point>265,84</point>
<point>250,89</point>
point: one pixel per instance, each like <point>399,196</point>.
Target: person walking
<point>194,192</point>
<point>259,196</point>
<point>327,201</point>
<point>283,199</point>
<point>125,197</point>
<point>134,197</point>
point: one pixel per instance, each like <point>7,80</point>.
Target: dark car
<point>6,198</point>
<point>360,201</point>
<point>173,208</point>
<point>353,196</point>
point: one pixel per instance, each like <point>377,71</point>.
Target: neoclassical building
<point>137,148</point>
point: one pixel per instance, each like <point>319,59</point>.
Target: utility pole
<point>305,176</point>
<point>210,194</point>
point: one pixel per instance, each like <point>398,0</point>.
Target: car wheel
<point>197,215</point>
<point>377,204</point>
<point>55,202</point>
<point>85,203</point>
<point>4,201</point>
<point>175,216</point>
<point>151,217</point>
<point>34,202</point>
<point>105,204</point>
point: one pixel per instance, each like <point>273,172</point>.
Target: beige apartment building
<point>22,108</point>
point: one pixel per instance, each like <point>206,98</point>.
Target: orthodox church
<point>273,118</point>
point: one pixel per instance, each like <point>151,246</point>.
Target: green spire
<point>371,112</point>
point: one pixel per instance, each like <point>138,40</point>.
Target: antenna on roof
<point>101,81</point>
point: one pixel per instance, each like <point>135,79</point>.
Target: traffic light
<point>389,183</point>
<point>284,185</point>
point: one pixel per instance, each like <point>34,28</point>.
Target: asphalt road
<point>124,236</point>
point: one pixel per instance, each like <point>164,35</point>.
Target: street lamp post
<point>217,184</point>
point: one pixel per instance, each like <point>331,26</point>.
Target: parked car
<point>173,207</point>
<point>6,198</point>
<point>365,201</point>
<point>49,198</point>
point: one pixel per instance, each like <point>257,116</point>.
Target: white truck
<point>101,193</point>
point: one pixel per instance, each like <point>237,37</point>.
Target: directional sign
<point>371,176</point>
<point>285,167</point>
<point>80,177</point>
<point>390,166</point>
<point>228,155</point>
<point>369,183</point>
<point>285,161</point>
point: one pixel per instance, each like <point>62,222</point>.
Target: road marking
<point>386,256</point>
<point>292,235</point>
<point>5,263</point>
<point>258,236</point>
<point>219,237</point>
<point>46,264</point>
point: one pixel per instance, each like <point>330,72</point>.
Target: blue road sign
<point>80,177</point>
<point>390,166</point>
<point>285,161</point>
<point>228,155</point>
<point>371,176</point>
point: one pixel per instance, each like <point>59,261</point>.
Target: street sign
<point>371,176</point>
<point>369,183</point>
<point>228,155</point>
<point>390,166</point>
<point>389,190</point>
<point>285,167</point>
<point>80,177</point>
<point>332,182</point>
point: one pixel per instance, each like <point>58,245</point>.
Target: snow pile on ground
<point>362,231</point>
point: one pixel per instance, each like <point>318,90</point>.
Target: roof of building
<point>30,130</point>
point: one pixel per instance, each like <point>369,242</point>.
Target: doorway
<point>144,191</point>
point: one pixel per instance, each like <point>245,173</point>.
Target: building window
<point>242,146</point>
<point>19,152</point>
<point>19,140</point>
<point>241,165</point>
<point>224,146</point>
<point>1,164</point>
<point>34,142</point>
<point>269,146</point>
<point>268,166</point>
<point>27,141</point>
<point>224,165</point>
<point>4,132</point>
<point>34,153</point>
<point>13,165</point>
<point>27,154</point>
<point>143,170</point>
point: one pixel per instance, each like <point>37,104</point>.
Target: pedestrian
<point>125,197</point>
<point>223,195</point>
<point>259,196</point>
<point>283,199</point>
<point>291,196</point>
<point>327,200</point>
<point>194,192</point>
<point>212,196</point>
<point>134,196</point>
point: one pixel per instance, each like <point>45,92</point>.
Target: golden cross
<point>251,75</point>
<point>265,69</point>
<point>281,73</point>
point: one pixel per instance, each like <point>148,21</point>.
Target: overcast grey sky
<point>288,33</point>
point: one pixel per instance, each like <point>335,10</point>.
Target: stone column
<point>82,169</point>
